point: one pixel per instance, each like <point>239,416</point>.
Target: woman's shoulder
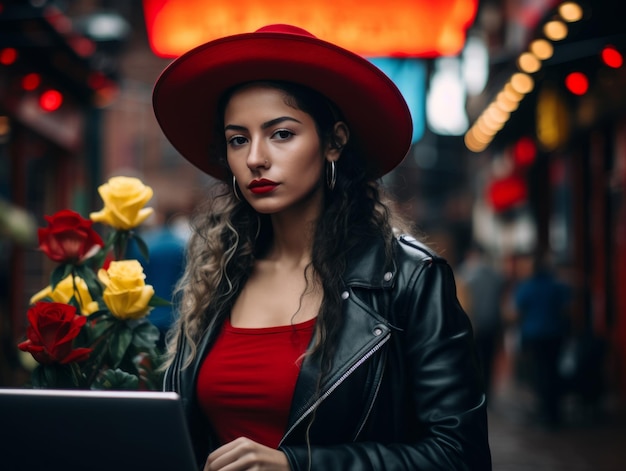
<point>415,250</point>
<point>416,262</point>
<point>371,264</point>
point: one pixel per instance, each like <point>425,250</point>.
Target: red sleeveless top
<point>246,382</point>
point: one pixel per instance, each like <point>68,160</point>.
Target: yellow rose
<point>124,200</point>
<point>126,293</point>
<point>64,291</point>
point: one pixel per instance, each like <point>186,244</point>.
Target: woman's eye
<point>283,134</point>
<point>237,141</point>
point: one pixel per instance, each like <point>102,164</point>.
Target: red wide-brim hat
<point>186,95</point>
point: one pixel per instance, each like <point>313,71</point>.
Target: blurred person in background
<point>541,302</point>
<point>483,287</point>
<point>311,335</point>
<point>165,263</point>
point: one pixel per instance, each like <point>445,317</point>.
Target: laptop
<point>79,430</point>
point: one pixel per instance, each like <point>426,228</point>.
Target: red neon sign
<point>372,28</point>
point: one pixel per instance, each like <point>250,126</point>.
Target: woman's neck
<point>293,233</point>
<point>292,242</point>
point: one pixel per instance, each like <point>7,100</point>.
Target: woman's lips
<point>262,186</point>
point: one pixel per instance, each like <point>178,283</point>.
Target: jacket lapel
<point>362,333</point>
<point>367,266</point>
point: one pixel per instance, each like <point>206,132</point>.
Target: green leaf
<point>97,260</point>
<point>116,379</point>
<point>96,315</point>
<point>98,326</point>
<point>86,274</point>
<point>60,273</point>
<point>89,275</point>
<point>82,271</point>
<point>120,341</point>
<point>110,241</point>
<point>157,301</point>
<point>74,302</point>
<point>142,246</point>
<point>91,280</point>
<point>145,335</point>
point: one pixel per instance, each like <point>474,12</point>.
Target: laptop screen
<point>74,430</point>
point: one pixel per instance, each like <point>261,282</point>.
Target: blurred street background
<point>517,174</point>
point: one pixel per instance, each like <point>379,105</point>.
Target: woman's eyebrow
<point>279,120</point>
<point>267,124</point>
<point>235,127</point>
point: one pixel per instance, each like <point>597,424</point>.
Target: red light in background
<point>577,83</point>
<point>105,89</point>
<point>8,55</point>
<point>58,20</point>
<point>612,57</point>
<point>507,192</point>
<point>97,80</point>
<point>104,96</point>
<point>50,100</point>
<point>31,81</point>
<point>524,152</point>
<point>84,47</point>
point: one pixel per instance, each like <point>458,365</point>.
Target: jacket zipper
<point>335,385</point>
<point>372,401</point>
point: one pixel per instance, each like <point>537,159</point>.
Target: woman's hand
<point>243,454</point>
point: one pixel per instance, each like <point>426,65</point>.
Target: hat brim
<point>186,95</point>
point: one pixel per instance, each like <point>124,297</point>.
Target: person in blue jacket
<point>314,333</point>
<point>541,302</point>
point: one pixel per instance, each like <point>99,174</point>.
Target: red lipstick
<point>261,186</point>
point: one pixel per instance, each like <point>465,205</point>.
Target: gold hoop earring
<point>235,189</point>
<point>331,175</point>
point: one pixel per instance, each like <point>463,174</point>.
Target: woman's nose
<point>257,157</point>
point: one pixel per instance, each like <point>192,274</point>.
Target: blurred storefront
<point>551,126</point>
<point>52,88</point>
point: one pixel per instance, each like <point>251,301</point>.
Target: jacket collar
<point>367,265</point>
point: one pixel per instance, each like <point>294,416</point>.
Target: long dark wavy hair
<point>228,234</point>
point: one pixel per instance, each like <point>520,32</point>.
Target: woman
<point>310,336</point>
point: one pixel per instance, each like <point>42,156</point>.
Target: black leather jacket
<point>405,390</point>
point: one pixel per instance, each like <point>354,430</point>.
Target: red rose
<point>51,333</point>
<point>69,238</point>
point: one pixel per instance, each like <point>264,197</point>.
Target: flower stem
<point>121,244</point>
<point>102,344</point>
<point>77,377</point>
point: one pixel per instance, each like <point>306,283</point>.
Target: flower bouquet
<point>88,329</point>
